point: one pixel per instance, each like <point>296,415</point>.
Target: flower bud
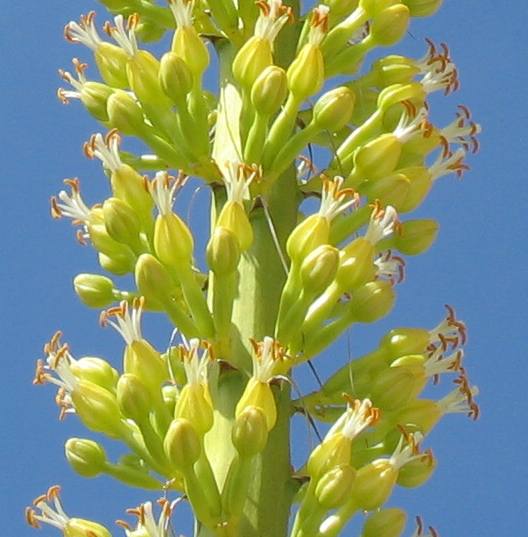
<point>393,189</point>
<point>94,290</point>
<point>188,45</point>
<point>154,282</point>
<point>423,8</point>
<point>404,341</point>
<point>416,236</point>
<point>393,387</point>
<point>173,240</point>
<point>250,432</point>
<point>307,235</point>
<point>78,527</point>
<point>95,370</point>
<point>111,61</point>
<point>121,221</point>
<point>385,523</point>
<point>194,404</point>
<point>259,395</point>
<point>397,93</point>
<point>335,486</point>
<point>124,113</point>
<point>374,483</point>
<point>251,60</point>
<point>334,451</point>
<point>117,263</point>
<point>94,96</point>
<point>182,444</point>
<point>372,301</point>
<point>86,457</point>
<point>319,268</point>
<point>333,110</point>
<point>417,472</point>
<point>339,8</point>
<point>133,398</point>
<point>390,25</point>
<point>269,90</point>
<point>356,265</point>
<point>379,157</point>
<point>423,414</point>
<point>306,72</point>
<point>144,361</point>
<point>420,182</point>
<point>148,31</point>
<point>175,77</point>
<point>223,251</point>
<point>142,72</point>
<point>97,408</point>
<point>233,217</point>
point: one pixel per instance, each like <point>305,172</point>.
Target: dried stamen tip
<point>106,149</point>
<point>273,16</point>
<point>335,199</point>
<point>420,528</point>
<point>450,332</point>
<point>390,267</point>
<point>440,73</point>
<point>461,400</point>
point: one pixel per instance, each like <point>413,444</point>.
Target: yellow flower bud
<point>335,450</point>
<point>423,8</point>
<point>423,414</point>
<point>385,523</point>
<point>119,264</point>
<point>379,157</point>
<point>269,90</point>
<point>250,432</point>
<point>258,394</point>
<point>356,266</point>
<point>223,251</point>
<point>420,182</point>
<point>121,222</point>
<point>175,77</point>
<point>154,282</point>
<point>310,233</point>
<point>393,387</point>
<point>94,290</point>
<point>417,472</point>
<point>404,341</point>
<point>306,72</point>
<point>95,370</point>
<point>124,113</point>
<point>182,444</point>
<point>233,217</point>
<point>78,527</point>
<point>390,25</point>
<point>319,268</point>
<point>333,110</point>
<point>94,96</point>
<point>397,93</point>
<point>372,301</point>
<point>173,240</point>
<point>416,236</point>
<point>251,60</point>
<point>144,361</point>
<point>111,61</point>
<point>334,487</point>
<point>188,45</point>
<point>86,457</point>
<point>374,483</point>
<point>194,404</point>
<point>142,72</point>
<point>133,398</point>
<point>393,189</point>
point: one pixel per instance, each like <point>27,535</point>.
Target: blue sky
<point>478,265</point>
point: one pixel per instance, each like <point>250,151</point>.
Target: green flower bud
<point>102,242</point>
<point>142,72</point>
<point>417,472</point>
<point>334,487</point>
<point>119,264</point>
<point>133,398</point>
<point>154,282</point>
<point>420,183</point>
<point>269,90</point>
<point>379,157</point>
<point>251,60</point>
<point>390,25</point>
<point>250,432</point>
<point>223,251</point>
<point>319,268</point>
<point>339,8</point>
<point>333,110</point>
<point>173,240</point>
<point>335,450</point>
<point>124,113</point>
<point>97,408</point>
<point>86,457</point>
<point>111,61</point>
<point>375,7</point>
<point>356,265</point>
<point>391,189</point>
<point>393,387</point>
<point>385,523</point>
<point>148,31</point>
<point>78,527</point>
<point>121,221</point>
<point>372,301</point>
<point>94,96</point>
<point>94,290</point>
<point>423,8</point>
<point>95,370</point>
<point>233,217</point>
<point>182,444</point>
<point>397,93</point>
<point>404,341</point>
<point>416,236</point>
<point>394,69</point>
<point>188,45</point>
<point>307,235</point>
<point>175,77</point>
<point>374,483</point>
<point>306,72</point>
<point>422,414</point>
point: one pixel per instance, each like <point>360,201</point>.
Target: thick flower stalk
<point>208,421</point>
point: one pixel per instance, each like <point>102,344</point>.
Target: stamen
<point>127,320</point>
<point>318,24</point>
<point>448,163</point>
<point>412,122</point>
<point>439,71</point>
<point>70,205</point>
<point>334,198</point>
<point>196,366</point>
<point>383,222</point>
<point>450,331</point>
<point>461,399</point>
<point>105,149</point>
<point>407,450</point>
<point>182,11</point>
<point>124,36</point>
<point>163,189</point>
<point>266,355</point>
<point>273,16</point>
<point>358,416</point>
<point>53,515</point>
<point>462,131</point>
<point>390,267</point>
<point>83,32</point>
<point>237,179</point>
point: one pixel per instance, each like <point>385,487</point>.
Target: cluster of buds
<point>208,420</point>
